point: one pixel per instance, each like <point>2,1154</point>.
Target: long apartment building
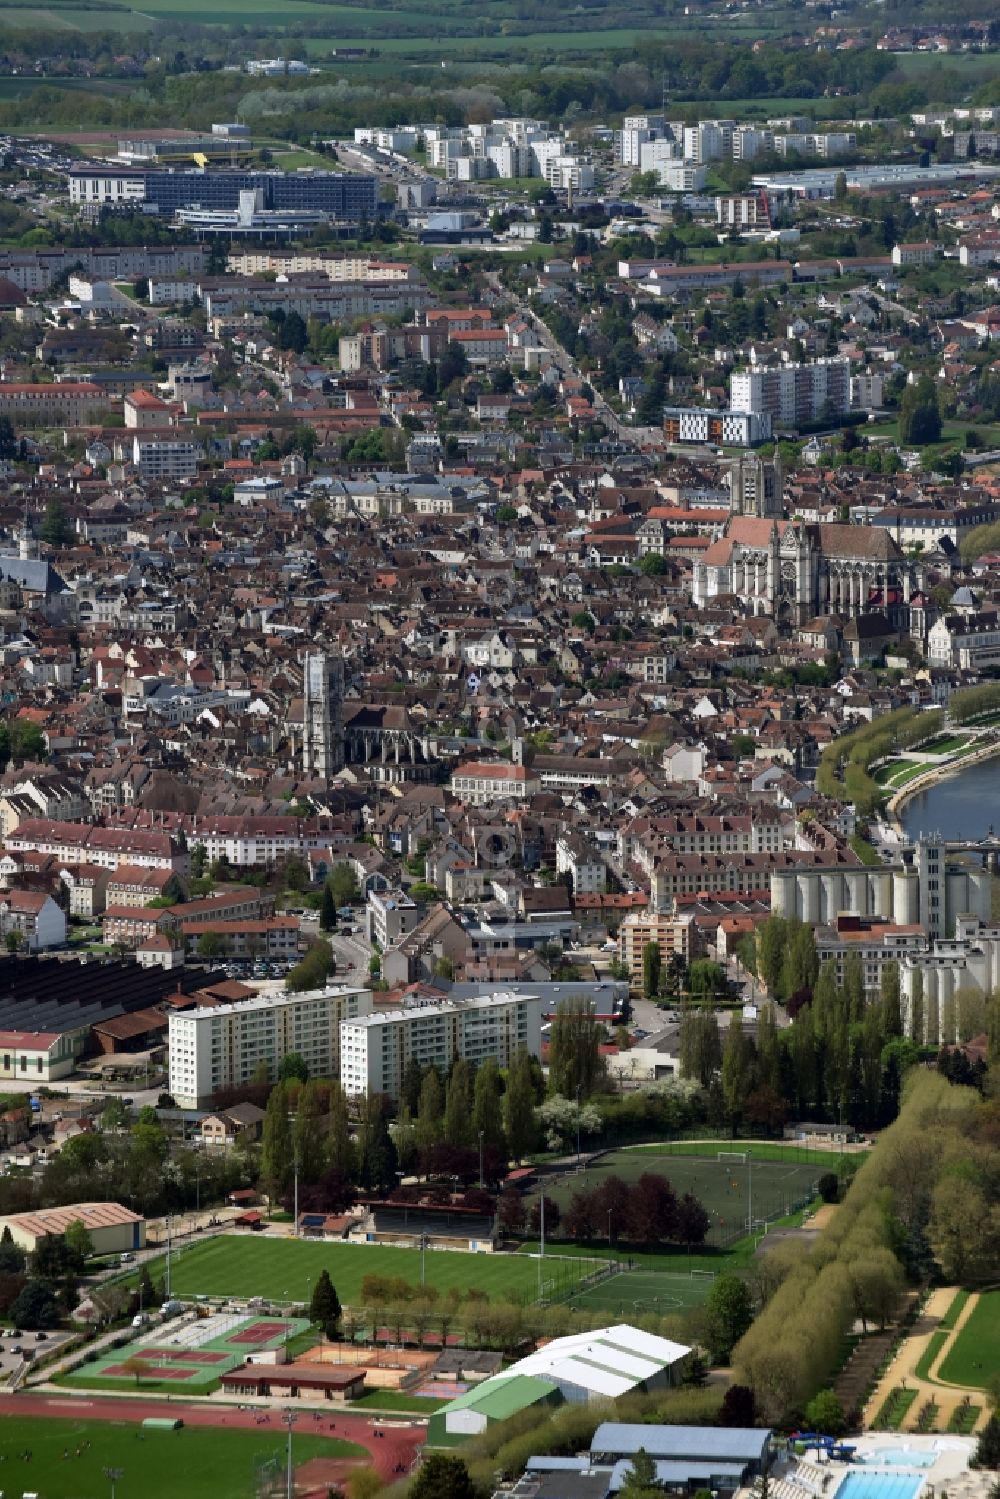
<point>107,847</point>
<point>794,393</point>
<point>311,295</point>
<point>375,1049</point>
<point>222,1046</point>
<point>73,403</point>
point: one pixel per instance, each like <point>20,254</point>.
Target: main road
<point>636,437</point>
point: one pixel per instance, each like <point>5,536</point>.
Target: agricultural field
<point>285,1270</point>
<point>729,1189</point>
<point>71,1458</point>
<point>972,1358</point>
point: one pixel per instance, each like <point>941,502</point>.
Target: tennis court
<point>197,1353</point>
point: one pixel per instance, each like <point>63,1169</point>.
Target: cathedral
<point>794,571</point>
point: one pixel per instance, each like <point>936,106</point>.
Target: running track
<point>398,1445</point>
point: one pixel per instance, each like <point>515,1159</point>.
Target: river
<point>964,805</point>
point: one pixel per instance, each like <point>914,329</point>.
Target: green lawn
<point>955,1310</point>
<point>284,1270</point>
<point>973,1357</point>
<point>947,744</point>
<point>394,1400</point>
<point>197,1461</point>
<point>899,773</point>
<point>894,1409</point>
<point>763,1150</point>
<point>935,1343</point>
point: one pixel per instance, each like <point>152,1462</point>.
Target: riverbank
<point>932,776</point>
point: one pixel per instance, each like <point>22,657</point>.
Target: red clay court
<point>259,1332</point>
<point>182,1355</point>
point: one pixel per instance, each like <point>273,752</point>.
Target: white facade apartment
<point>375,1049</point>
<point>221,1047</point>
<point>866,392</point>
<point>794,393</point>
<point>682,177</point>
<point>169,458</point>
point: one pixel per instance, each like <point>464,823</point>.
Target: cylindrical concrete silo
<point>830,896</point>
<point>856,891</point>
<point>784,893</point>
<point>905,898</point>
<point>880,889</point>
<point>808,897</point>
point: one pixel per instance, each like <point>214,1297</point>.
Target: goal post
<point>732,1155</point>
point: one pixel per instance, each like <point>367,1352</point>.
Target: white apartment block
<point>375,1049</point>
<point>682,177</point>
<point>794,393</point>
<point>569,173</point>
<point>710,140</point>
<point>749,143</point>
<point>166,458</point>
<point>825,144</point>
<point>742,211</point>
<point>867,392</point>
<point>222,1047</point>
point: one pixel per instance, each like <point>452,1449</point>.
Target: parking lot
<point>15,1345</point>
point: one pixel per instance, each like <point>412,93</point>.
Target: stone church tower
<point>322,714</point>
<point>756,487</point>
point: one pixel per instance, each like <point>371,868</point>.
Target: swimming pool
<point>900,1457</point>
<point>880,1486</point>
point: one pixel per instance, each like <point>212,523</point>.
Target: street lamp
<point>113,1475</point>
<point>481,1134</point>
<point>289,1420</point>
<point>578,1088</point>
<point>750,1191</point>
<point>610,1211</point>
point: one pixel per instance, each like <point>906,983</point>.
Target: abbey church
<point>795,571</point>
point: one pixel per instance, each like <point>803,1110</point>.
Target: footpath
<point>912,1352</point>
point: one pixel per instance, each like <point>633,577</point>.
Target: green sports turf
<point>722,1187</point>
<point>198,1462</point>
<point>763,1150</point>
<point>974,1357</point>
<point>641,1292</point>
<point>284,1270</point>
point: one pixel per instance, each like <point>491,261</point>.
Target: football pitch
<point>638,1293</point>
<point>285,1270</point>
<point>731,1186</point>
<point>72,1459</point>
